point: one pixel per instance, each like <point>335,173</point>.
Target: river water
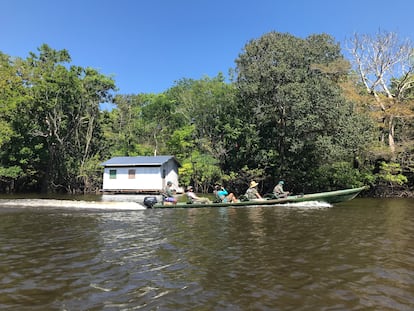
<point>77,255</point>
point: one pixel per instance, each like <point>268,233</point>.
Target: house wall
<point>152,178</point>
<point>171,174</point>
<point>145,178</point>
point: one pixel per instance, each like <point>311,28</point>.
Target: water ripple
<point>351,257</point>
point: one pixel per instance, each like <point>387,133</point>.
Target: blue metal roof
<point>139,161</point>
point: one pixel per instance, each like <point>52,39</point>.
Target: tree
<point>384,65</point>
<point>56,122</point>
<point>293,107</point>
<point>95,89</point>
<point>11,93</point>
<point>141,124</point>
<point>124,126</point>
<point>11,90</point>
<point>208,105</point>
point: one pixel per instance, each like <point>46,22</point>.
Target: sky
<point>149,45</point>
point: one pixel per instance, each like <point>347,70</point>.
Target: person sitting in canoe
<point>252,193</point>
<point>223,196</point>
<point>193,198</point>
<point>279,192</point>
<point>169,194</point>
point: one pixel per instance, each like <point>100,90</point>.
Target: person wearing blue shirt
<point>223,195</point>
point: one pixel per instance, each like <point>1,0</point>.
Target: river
<point>80,255</point>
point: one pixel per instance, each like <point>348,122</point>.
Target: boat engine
<point>149,202</point>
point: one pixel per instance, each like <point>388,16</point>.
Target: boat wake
<point>308,205</point>
<point>71,204</point>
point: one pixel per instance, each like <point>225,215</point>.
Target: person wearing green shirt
<point>252,193</point>
<point>279,192</point>
<point>169,194</point>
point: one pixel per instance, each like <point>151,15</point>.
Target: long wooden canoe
<point>330,197</point>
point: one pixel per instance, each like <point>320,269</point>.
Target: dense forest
<point>292,108</point>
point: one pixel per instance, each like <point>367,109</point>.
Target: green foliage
<point>90,175</point>
<point>200,170</point>
<point>239,181</point>
<point>391,173</point>
<point>186,173</point>
<point>181,142</point>
<point>286,116</point>
<point>7,177</point>
<point>11,93</point>
<point>209,105</point>
<point>206,171</point>
<point>290,92</point>
<point>340,175</point>
<point>10,172</point>
<point>55,120</point>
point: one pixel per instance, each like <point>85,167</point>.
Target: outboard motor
<point>149,202</point>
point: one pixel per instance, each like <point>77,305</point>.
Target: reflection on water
<point>354,256</point>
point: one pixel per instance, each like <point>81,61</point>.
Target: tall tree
<point>292,102</point>
<point>209,104</point>
<point>11,94</point>
<point>142,124</point>
<point>385,68</point>
<point>11,89</point>
<point>211,126</point>
<point>56,122</point>
<point>88,139</point>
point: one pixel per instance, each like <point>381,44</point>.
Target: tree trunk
<point>391,128</point>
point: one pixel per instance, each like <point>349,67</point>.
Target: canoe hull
<point>330,197</point>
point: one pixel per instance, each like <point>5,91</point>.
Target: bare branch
<point>380,59</point>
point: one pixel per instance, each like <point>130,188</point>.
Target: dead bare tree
<point>385,68</point>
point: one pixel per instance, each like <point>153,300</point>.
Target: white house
<point>141,174</point>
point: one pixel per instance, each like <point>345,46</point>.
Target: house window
<point>131,174</point>
<point>112,174</point>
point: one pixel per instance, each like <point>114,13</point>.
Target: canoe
<point>330,197</point>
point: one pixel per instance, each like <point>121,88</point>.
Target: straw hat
<point>189,188</point>
<point>253,184</point>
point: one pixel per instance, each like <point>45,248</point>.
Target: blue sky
<point>147,45</point>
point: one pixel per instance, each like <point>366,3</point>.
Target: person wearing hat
<point>169,194</point>
<point>193,198</point>
<point>279,192</point>
<point>252,193</point>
